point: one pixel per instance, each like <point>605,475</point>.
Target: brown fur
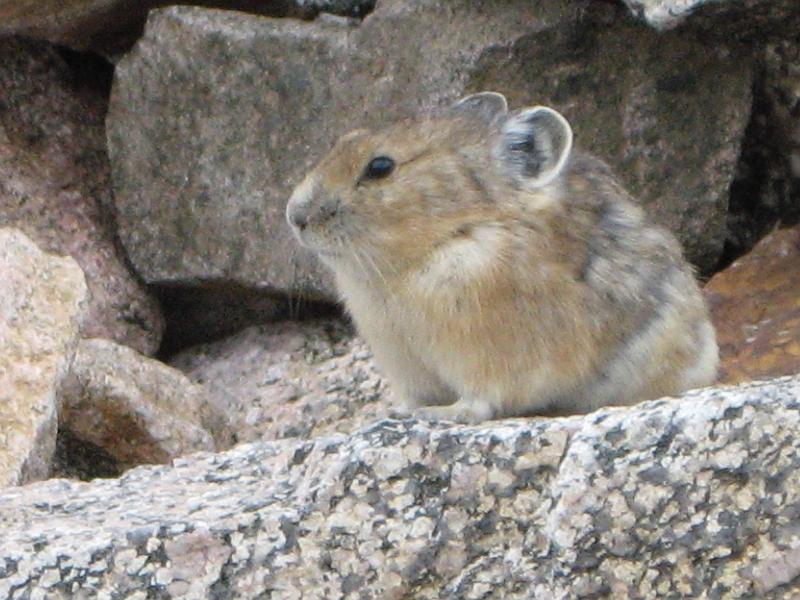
<point>484,294</point>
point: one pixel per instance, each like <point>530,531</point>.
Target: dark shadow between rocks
<point>210,312</point>
<point>90,71</point>
<point>765,193</point>
<point>75,458</point>
<point>113,28</point>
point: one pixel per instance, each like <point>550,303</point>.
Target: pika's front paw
<point>400,411</point>
<point>463,411</point>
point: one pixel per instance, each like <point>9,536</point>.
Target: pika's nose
<point>297,217</point>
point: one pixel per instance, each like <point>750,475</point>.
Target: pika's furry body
<point>496,272</point>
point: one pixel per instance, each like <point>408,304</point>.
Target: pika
<point>496,271</point>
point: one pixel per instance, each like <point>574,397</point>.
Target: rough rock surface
<point>112,25</point>
<point>695,497</point>
<point>40,311</point>
<point>666,14</point>
<point>55,181</point>
<point>755,306</point>
<point>288,380</point>
<point>135,408</point>
<point>215,116</point>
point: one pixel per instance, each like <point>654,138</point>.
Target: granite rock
<point>55,185</point>
<point>40,311</point>
<point>288,379</point>
<point>135,408</point>
<point>689,497</point>
<point>215,116</point>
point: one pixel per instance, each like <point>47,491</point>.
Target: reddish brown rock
<point>755,304</point>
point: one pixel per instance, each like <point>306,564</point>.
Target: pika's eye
<point>378,167</point>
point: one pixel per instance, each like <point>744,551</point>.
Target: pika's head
<point>392,196</point>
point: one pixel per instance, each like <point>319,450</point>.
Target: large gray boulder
<point>55,186</point>
<point>215,116</point>
<point>41,305</point>
<point>689,497</point>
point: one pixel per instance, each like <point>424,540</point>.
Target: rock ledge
<point>673,497</point>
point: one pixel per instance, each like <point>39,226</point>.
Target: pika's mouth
<point>306,238</point>
<point>310,238</point>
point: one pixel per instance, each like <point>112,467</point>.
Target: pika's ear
<point>535,144</point>
<point>485,105</point>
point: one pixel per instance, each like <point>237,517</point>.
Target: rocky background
<point>154,306</point>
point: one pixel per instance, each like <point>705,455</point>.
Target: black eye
<point>378,167</point>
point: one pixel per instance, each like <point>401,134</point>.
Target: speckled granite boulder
<point>695,497</point>
<point>288,380</point>
<point>55,185</point>
<point>215,116</point>
<point>41,298</point>
<point>137,409</point>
